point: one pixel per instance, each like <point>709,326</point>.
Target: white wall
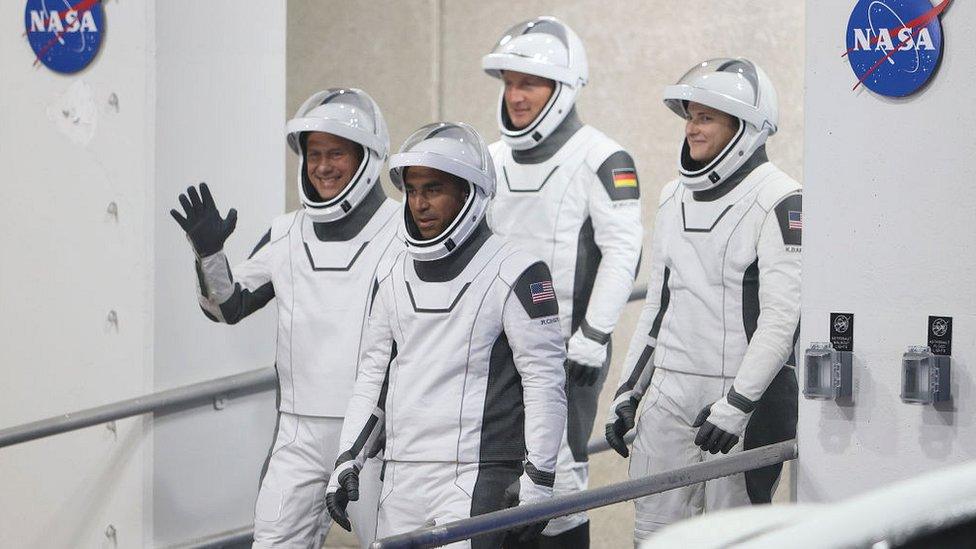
<point>889,208</point>
<point>196,101</point>
<point>66,264</point>
<point>220,84</point>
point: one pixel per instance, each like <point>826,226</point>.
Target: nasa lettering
<point>64,34</point>
<point>894,46</point>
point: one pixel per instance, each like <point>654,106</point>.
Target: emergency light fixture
<point>924,376</point>
<point>828,372</point>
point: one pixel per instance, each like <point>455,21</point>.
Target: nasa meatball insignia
<point>894,46</point>
<point>64,34</point>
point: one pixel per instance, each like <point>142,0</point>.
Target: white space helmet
<point>734,86</point>
<point>352,114</point>
<point>546,47</point>
<point>457,149</point>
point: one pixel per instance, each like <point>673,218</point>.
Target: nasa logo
<point>841,324</point>
<point>894,46</point>
<point>65,40</point>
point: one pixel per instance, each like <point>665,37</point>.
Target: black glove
<point>711,437</point>
<point>203,224</point>
<point>581,374</point>
<point>528,532</point>
<point>626,413</point>
<point>340,492</point>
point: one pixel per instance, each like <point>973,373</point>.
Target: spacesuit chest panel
<point>709,247</point>
<point>537,204</point>
<point>444,332</point>
<point>323,298</point>
<point>719,233</point>
<point>447,307</point>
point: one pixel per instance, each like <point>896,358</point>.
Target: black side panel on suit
<point>665,301</point>
<point>588,258</point>
<point>503,424</point>
<point>750,299</point>
<point>774,420</point>
<point>581,403</point>
<point>489,495</point>
<point>264,240</point>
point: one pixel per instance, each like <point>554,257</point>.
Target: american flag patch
<point>796,220</point>
<point>541,291</point>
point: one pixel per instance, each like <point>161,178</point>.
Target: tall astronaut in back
<point>712,355</point>
<point>569,194</point>
<point>472,397</point>
<point>319,262</point>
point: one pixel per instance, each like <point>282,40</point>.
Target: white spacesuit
<point>472,394</point>
<point>722,312</point>
<point>569,194</point>
<point>320,263</point>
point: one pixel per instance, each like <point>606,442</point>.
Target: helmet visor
<point>729,85</point>
<point>455,148</point>
<point>346,112</point>
<point>538,46</point>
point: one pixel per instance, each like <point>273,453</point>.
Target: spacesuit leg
<point>774,420</point>
<point>362,513</point>
<point>403,501</point>
<point>666,441</point>
<point>290,506</point>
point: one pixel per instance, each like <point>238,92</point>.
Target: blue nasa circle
<point>65,34</point>
<point>875,30</point>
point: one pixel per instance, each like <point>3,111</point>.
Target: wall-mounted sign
<point>64,34</point>
<point>842,331</point>
<point>894,46</point>
<point>940,335</point>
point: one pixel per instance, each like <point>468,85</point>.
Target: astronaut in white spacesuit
<point>720,321</point>
<point>320,263</point>
<point>570,195</point>
<point>471,396</point>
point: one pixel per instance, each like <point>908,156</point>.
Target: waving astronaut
<point>472,398</point>
<point>569,194</point>
<point>721,317</point>
<point>320,263</point>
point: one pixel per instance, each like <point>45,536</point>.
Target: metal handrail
<point>238,536</point>
<point>190,395</point>
<point>590,499</point>
<point>197,393</point>
<point>245,534</point>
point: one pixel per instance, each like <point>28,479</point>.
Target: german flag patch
<point>624,178</point>
<point>619,177</point>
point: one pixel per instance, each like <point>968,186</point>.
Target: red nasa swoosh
<point>83,5</point>
<point>915,24</point>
